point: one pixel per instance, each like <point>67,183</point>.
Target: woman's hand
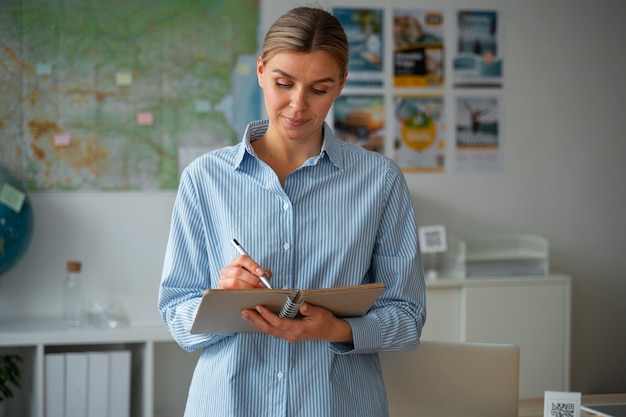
<point>317,323</point>
<point>242,273</point>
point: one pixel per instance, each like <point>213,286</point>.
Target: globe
<point>16,221</point>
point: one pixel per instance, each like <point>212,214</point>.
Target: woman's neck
<point>285,156</point>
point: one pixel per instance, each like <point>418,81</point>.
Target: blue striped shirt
<point>344,217</point>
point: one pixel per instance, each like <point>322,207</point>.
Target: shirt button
<point>286,206</point>
<point>286,246</point>
<point>279,375</point>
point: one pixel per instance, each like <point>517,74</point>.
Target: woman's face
<point>299,89</point>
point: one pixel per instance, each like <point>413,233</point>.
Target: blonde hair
<point>307,29</point>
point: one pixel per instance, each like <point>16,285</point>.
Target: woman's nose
<point>298,100</point>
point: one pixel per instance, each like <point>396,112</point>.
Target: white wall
<point>119,237</point>
<point>565,115</point>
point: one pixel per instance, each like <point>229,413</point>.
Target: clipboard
<point>220,310</point>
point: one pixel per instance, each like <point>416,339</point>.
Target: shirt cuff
<point>366,337</point>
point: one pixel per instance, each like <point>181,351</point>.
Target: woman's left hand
<point>316,323</point>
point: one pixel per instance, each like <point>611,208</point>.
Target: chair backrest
<point>445,379</point>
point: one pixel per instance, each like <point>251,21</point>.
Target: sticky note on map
<point>124,78</point>
<point>43,69</point>
<point>145,118</point>
<point>62,139</point>
<point>203,106</point>
<point>12,197</point>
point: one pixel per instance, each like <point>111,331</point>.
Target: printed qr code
<point>562,410</point>
<point>432,238</point>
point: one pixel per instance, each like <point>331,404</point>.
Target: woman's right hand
<point>242,273</point>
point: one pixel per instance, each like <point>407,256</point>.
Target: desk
<point>533,407</point>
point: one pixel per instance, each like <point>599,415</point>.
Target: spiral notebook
<point>220,310</point>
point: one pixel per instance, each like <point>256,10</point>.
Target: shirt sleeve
<point>396,320</point>
<point>185,270</point>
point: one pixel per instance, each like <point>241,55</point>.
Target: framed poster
<point>418,54</point>
<point>364,29</point>
<point>478,59</point>
<point>419,133</point>
<point>478,133</point>
<point>360,119</point>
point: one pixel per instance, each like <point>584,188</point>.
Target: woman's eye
<point>318,91</point>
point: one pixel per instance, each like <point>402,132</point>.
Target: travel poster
<point>360,119</point>
<point>478,134</point>
<point>364,29</point>
<point>478,59</point>
<point>418,52</point>
<point>419,138</point>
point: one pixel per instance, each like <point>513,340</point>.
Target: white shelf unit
<point>531,312</point>
<point>157,363</point>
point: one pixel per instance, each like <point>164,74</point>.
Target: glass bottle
<point>73,295</point>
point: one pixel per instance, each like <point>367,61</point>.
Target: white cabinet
<point>160,370</point>
<point>531,312</point>
<point>443,305</point>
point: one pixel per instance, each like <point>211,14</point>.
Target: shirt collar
<point>330,145</point>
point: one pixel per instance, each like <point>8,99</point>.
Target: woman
<point>314,212</point>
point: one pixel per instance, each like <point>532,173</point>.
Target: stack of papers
<point>506,255</point>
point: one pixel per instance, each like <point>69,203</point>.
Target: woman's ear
<point>342,83</point>
<point>259,71</point>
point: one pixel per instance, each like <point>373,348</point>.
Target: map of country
<point>121,94</point>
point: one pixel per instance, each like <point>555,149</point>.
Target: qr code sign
<point>561,404</point>
<point>432,239</point>
<point>563,410</point>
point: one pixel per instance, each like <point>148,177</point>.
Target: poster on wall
<point>418,52</point>
<point>360,120</point>
<point>478,133</point>
<point>478,58</point>
<point>364,29</point>
<point>419,137</point>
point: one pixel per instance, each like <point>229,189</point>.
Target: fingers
<point>267,322</point>
<point>316,323</point>
<point>242,272</point>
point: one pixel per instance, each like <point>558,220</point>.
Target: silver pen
<point>242,251</point>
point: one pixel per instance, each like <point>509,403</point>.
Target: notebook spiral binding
<point>290,308</point>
